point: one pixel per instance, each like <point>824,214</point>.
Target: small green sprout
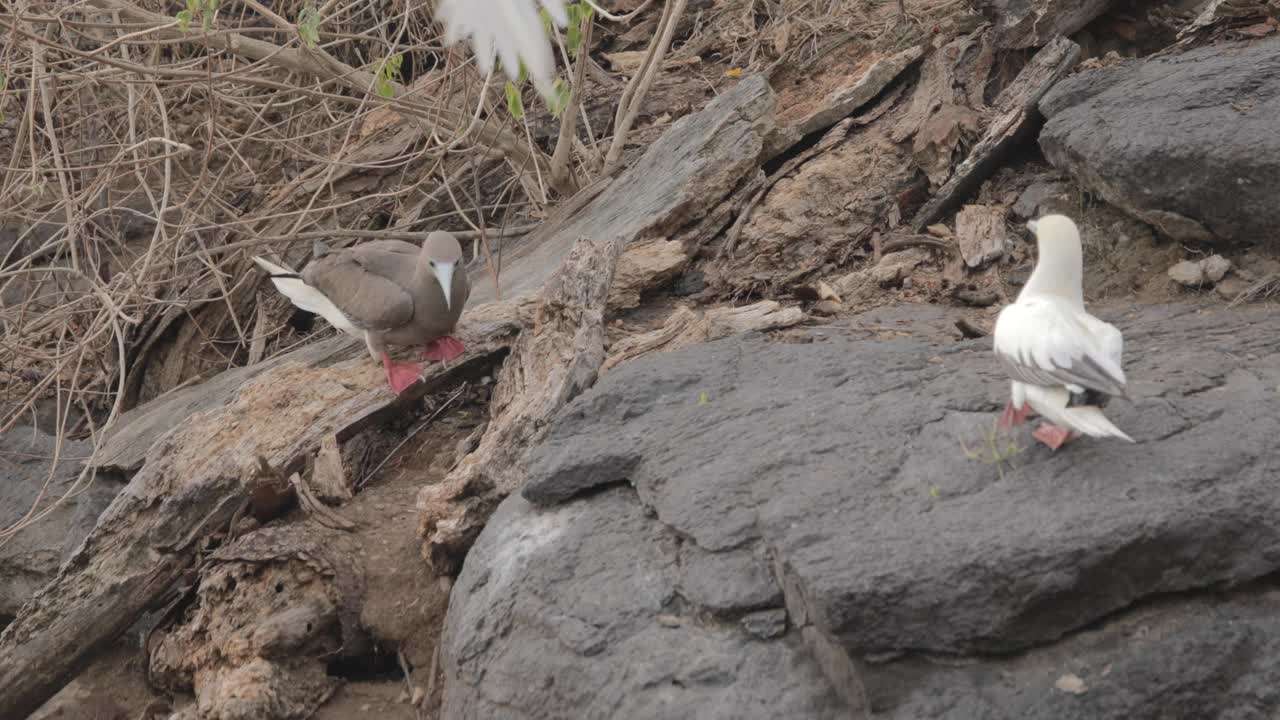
<point>384,83</point>
<point>998,448</point>
<point>309,26</point>
<point>515,105</point>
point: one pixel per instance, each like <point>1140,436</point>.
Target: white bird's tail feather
<point>303,296</point>
<point>1090,421</point>
<point>1051,404</point>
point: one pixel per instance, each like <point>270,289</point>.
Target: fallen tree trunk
<point>194,482</point>
<point>196,450</point>
<point>552,362</point>
<point>1016,110</point>
<point>684,189</point>
<point>687,327</point>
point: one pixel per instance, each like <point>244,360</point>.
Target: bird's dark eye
<point>433,263</point>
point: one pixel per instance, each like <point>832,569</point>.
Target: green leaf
<point>514,104</point>
<point>184,20</point>
<point>704,398</point>
<point>209,15</point>
<point>560,100</point>
<point>523,76</point>
<point>390,69</point>
<point>575,39</point>
<point>309,26</point>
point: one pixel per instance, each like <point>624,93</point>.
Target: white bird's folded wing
<point>511,29</point>
<point>1045,341</point>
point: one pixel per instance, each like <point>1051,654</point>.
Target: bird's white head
<point>1060,265</point>
<point>443,253</point>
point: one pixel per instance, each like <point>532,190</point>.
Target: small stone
<point>1215,268</point>
<point>1188,273</point>
<point>670,621</point>
<point>825,307</point>
<point>1071,683</point>
<point>980,233</point>
<point>1230,288</point>
<point>419,694</point>
<point>766,624</point>
<point>893,267</point>
<point>1036,199</point>
<point>691,282</point>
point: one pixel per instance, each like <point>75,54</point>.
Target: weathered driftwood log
<point>554,360</point>
<point>1015,109</point>
<point>1032,23</point>
<point>196,449</point>
<point>272,610</point>
<point>688,327</point>
<point>684,189</point>
<point>644,266</point>
<point>193,482</point>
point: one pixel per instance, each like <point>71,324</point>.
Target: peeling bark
<point>554,359</point>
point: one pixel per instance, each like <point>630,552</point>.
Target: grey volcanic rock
<point>840,461</point>
<point>1198,657</point>
<point>830,454</point>
<point>575,612</point>
<point>28,478</point>
<point>1187,142</point>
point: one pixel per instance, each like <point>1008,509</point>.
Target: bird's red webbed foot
<point>400,375</point>
<point>1011,417</point>
<point>443,349</point>
<point>1052,436</point>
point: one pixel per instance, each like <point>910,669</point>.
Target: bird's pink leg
<point>1011,417</point>
<point>443,349</point>
<point>400,375</point>
<point>1052,436</point>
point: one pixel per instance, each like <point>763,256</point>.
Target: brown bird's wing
<point>366,285</point>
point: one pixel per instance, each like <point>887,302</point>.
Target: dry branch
<point>633,97</point>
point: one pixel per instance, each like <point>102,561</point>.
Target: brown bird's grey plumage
<point>387,292</point>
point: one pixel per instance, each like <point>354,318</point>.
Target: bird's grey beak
<point>1031,225</point>
<point>444,273</point>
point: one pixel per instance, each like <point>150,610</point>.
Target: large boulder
<point>590,611</point>
<point>922,578</point>
<point>1185,142</point>
<point>48,523</point>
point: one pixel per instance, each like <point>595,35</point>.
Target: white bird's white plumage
<point>1051,346</point>
<point>308,298</point>
<point>509,29</point>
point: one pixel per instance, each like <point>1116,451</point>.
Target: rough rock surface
<point>31,557</point>
<point>1185,142</point>
<point>923,582</point>
<point>585,612</point>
